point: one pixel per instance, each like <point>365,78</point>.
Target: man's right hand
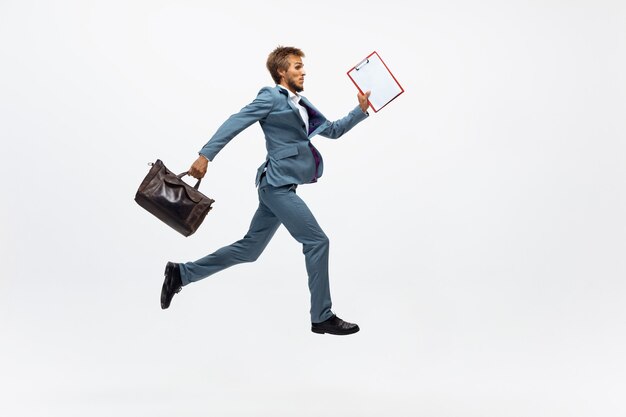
<point>199,167</point>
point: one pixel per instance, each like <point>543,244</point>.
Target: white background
<point>476,223</point>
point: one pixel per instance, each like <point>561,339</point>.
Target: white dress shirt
<point>295,99</point>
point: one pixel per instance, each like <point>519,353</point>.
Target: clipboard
<point>373,74</point>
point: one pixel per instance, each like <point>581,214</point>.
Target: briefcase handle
<point>180,176</point>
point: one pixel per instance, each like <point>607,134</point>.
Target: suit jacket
<point>291,158</point>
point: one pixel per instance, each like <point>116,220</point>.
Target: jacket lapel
<point>292,105</point>
<point>317,121</point>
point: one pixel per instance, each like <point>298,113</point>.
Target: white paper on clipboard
<point>371,74</point>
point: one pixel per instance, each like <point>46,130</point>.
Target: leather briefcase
<point>172,200</point>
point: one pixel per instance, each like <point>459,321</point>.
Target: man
<point>289,121</point>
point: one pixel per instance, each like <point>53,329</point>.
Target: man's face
<point>293,78</point>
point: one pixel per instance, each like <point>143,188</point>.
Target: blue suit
<point>291,160</point>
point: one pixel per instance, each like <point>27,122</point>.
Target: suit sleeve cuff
<point>362,115</point>
<point>205,157</point>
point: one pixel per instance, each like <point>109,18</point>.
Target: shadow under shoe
<point>171,285</point>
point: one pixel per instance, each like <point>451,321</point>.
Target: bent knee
<point>322,242</point>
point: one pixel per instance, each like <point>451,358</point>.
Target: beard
<point>292,85</point>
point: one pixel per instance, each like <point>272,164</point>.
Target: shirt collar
<point>292,96</point>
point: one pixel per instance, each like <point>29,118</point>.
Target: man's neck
<point>286,87</point>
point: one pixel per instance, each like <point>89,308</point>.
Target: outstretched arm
<point>253,112</point>
<point>337,128</point>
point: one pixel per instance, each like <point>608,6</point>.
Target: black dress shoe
<point>334,325</point>
<point>171,285</point>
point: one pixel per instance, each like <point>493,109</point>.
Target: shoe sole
<point>347,332</point>
<point>168,269</point>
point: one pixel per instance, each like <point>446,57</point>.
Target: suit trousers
<point>277,205</point>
